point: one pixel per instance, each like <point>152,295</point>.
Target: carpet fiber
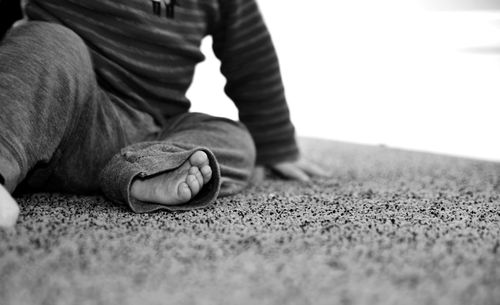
<point>389,227</point>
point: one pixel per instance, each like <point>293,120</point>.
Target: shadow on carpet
<point>389,227</point>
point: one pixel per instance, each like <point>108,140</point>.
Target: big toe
<point>199,159</point>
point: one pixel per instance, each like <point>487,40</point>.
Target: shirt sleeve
<point>249,62</point>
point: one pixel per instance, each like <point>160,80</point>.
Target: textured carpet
<point>389,227</point>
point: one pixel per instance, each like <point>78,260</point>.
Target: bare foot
<point>9,210</point>
<point>177,186</point>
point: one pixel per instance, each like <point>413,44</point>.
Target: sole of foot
<point>177,186</point>
<point>9,209</point>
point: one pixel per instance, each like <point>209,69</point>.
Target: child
<point>92,99</point>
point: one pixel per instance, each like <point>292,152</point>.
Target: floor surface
<point>389,227</point>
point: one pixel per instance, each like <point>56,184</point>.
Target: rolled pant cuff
<point>142,162</point>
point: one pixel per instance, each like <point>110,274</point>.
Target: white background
<point>381,72</point>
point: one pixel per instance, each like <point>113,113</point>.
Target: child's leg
<point>148,175</point>
<point>57,128</point>
<point>47,91</point>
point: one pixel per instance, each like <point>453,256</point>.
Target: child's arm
<point>250,65</point>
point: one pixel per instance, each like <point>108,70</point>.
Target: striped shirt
<point>149,60</point>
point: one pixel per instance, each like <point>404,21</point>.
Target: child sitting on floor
<point>92,99</point>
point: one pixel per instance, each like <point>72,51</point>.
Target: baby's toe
<point>199,177</point>
<point>184,192</point>
<point>206,172</point>
<point>199,159</point>
<point>196,172</point>
<point>193,184</point>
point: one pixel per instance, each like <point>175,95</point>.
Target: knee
<point>52,43</point>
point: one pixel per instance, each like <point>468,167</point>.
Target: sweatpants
<point>61,132</point>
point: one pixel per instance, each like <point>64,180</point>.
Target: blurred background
<point>412,74</point>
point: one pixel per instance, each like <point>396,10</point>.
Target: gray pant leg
<point>57,127</point>
<point>228,144</point>
<point>45,79</point>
